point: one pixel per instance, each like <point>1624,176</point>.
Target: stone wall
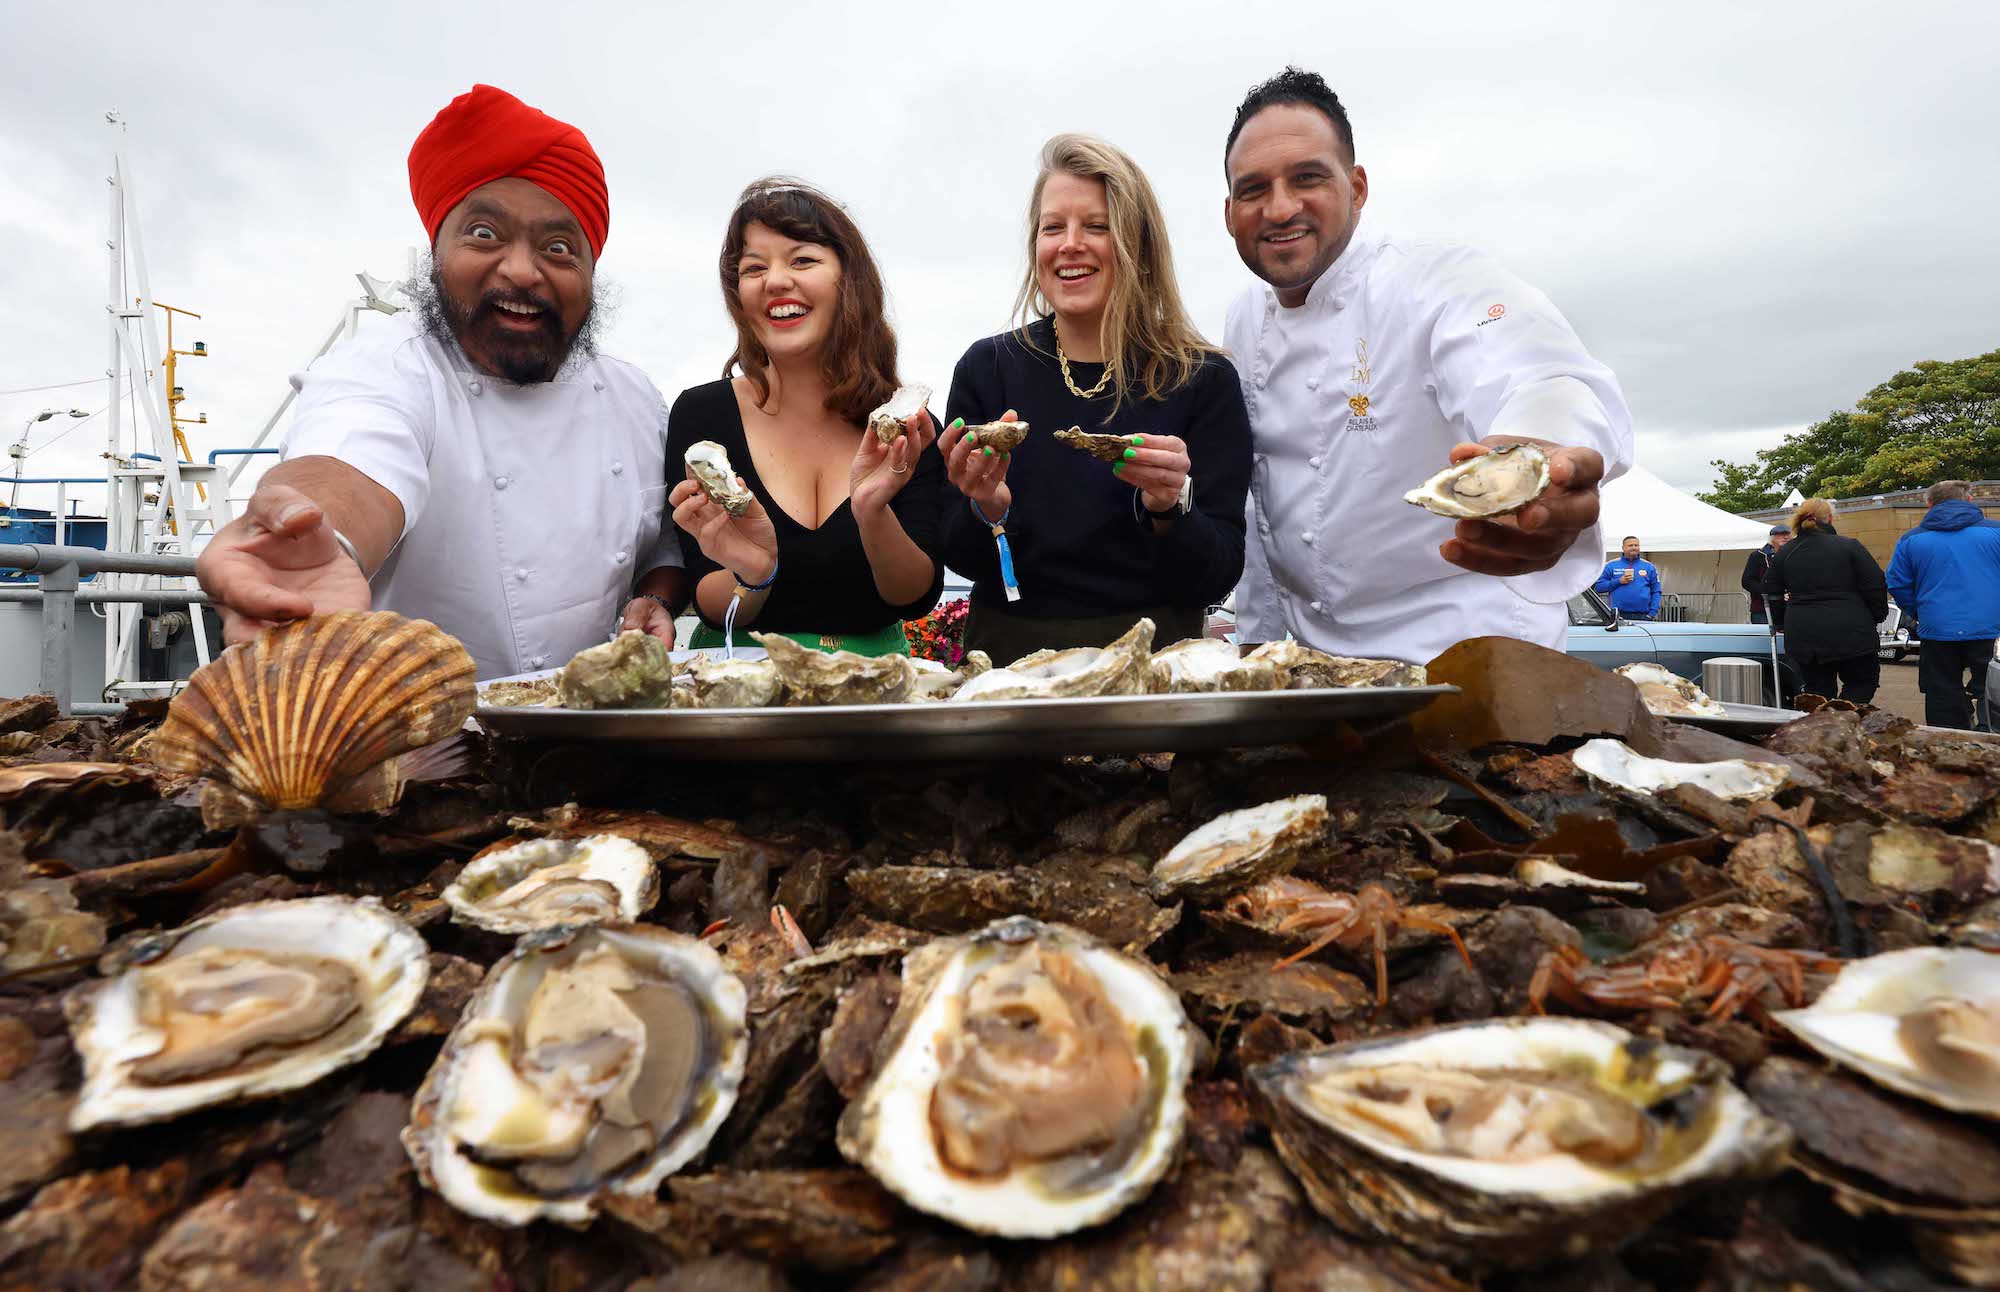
<point>1878,520</point>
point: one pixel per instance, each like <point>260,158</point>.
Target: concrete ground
<point>1899,692</point>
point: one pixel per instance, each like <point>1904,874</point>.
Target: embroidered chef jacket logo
<point>1494,313</point>
<point>1357,404</point>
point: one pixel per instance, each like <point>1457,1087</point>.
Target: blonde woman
<point>1104,343</point>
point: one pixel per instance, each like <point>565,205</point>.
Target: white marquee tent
<point>1699,549</point>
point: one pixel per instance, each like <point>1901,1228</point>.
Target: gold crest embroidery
<point>1359,403</point>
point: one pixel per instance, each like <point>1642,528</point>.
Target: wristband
<point>741,586</point>
<point>1008,583</point>
<point>347,546</point>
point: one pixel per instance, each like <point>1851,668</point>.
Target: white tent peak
<point>1667,520</point>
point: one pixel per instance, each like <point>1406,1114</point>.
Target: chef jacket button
<point>521,575</point>
<point>597,385</point>
<point>1306,538</point>
<point>1312,462</point>
<point>540,660</point>
<point>500,482</point>
<point>621,557</point>
<point>473,386</point>
<point>1312,383</point>
<point>617,468</point>
<point>1260,381</point>
<point>1316,609</point>
<point>1339,302</point>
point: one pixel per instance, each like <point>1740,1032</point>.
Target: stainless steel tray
<point>1746,719</point>
<point>997,729</point>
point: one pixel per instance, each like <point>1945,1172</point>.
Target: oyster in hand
<point>631,671</point>
<point>709,464</point>
<point>251,1002</point>
<point>1031,1083</point>
<point>591,1061</point>
<point>893,418</point>
<point>1510,1143</point>
<point>1105,448</point>
<point>1492,484</point>
<point>1003,437</point>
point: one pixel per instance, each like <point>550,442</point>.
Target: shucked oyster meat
<point>1105,448</point>
<point>547,883</point>
<point>591,1061</point>
<point>1510,1143</point>
<point>893,418</point>
<point>1209,664</point>
<point>1668,694</point>
<point>709,464</point>
<point>1031,1082</point>
<point>253,1001</point>
<point>1492,484</point>
<point>1239,848</point>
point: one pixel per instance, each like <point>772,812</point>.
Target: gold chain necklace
<point>1063,360</point>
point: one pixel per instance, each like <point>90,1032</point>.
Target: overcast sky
<point>1753,213</point>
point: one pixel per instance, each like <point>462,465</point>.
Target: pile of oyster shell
<point>290,999</point>
<point>634,671</point>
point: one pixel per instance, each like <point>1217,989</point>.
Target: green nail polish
<point>987,452</point>
<point>1006,457</point>
<point>1130,454</point>
<point>1140,440</point>
<point>1118,469</point>
<point>957,422</point>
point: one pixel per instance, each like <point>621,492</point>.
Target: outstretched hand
<point>1157,466</point>
<point>278,562</point>
<point>1538,535</point>
<point>881,470</point>
<point>746,545</point>
<point>978,473</point>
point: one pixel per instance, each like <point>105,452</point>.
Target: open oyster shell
<point>631,671</point>
<point>1105,448</point>
<point>1616,763</point>
<point>892,419</point>
<point>1002,437</point>
<point>591,1061</point>
<point>315,712</point>
<point>1509,1143</point>
<point>547,883</point>
<point>1239,848</point>
<point>1668,694</point>
<point>1031,1083</point>
<point>1209,664</point>
<point>1492,484</point>
<point>718,683</point>
<point>250,1002</point>
<point>1117,669</point>
<point>839,677</point>
<point>1923,1022</point>
<point>1303,668</point>
<point>709,464</point>
<point>936,682</point>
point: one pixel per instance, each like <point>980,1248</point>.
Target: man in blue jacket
<point>1632,584</point>
<point>1946,572</point>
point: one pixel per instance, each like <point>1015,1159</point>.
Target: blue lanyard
<point>999,528</point>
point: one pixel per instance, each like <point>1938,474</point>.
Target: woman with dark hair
<point>1105,344</point>
<point>838,547</point>
<point>1826,594</point>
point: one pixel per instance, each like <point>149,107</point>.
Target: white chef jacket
<point>1447,348</point>
<point>528,511</point>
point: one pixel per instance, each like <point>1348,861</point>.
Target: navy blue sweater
<point>1079,551</point>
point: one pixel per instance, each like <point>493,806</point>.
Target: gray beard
<point>523,360</point>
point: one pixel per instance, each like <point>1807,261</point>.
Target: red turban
<point>488,134</point>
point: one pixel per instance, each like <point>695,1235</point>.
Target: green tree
<point>1934,421</point>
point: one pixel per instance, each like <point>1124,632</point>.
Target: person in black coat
<point>1758,566</point>
<point>1826,594</point>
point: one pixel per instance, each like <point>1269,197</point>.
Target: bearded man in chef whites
<point>475,462</point>
<point>1370,361</point>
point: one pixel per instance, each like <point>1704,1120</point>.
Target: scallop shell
<point>889,421</point>
<point>1105,448</point>
<point>310,713</point>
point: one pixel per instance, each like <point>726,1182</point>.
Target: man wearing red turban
<point>476,461</point>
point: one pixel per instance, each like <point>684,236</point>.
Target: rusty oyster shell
<point>1003,436</point>
<point>310,986</point>
<point>312,713</point>
<point>1303,668</point>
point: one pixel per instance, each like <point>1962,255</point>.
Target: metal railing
<point>1704,607</point>
<point>58,593</point>
<point>59,514</point>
